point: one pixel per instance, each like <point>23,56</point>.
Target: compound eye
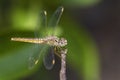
<point>56,40</point>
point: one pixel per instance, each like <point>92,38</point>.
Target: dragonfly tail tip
<point>12,39</point>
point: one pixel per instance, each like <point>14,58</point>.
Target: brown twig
<point>63,65</point>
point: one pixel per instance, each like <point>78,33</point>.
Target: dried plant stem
<point>63,65</point>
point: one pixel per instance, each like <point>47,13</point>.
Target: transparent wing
<point>42,23</point>
<point>49,59</point>
<point>35,57</point>
<point>56,17</point>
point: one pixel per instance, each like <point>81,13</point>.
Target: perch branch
<point>63,65</point>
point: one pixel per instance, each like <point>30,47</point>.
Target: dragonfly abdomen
<point>29,40</point>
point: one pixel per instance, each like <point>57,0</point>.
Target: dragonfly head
<point>61,42</point>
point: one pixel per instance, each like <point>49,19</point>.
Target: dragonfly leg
<point>57,52</point>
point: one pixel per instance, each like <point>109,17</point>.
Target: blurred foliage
<point>18,19</point>
<point>82,3</point>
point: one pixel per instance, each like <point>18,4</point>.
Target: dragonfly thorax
<point>55,41</point>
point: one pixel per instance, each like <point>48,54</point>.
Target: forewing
<point>56,17</point>
<point>49,59</point>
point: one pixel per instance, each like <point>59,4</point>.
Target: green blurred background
<point>18,19</point>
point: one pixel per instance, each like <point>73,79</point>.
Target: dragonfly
<point>48,42</point>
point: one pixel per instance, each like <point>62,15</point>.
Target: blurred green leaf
<point>24,20</point>
<point>13,65</point>
<point>83,3</point>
